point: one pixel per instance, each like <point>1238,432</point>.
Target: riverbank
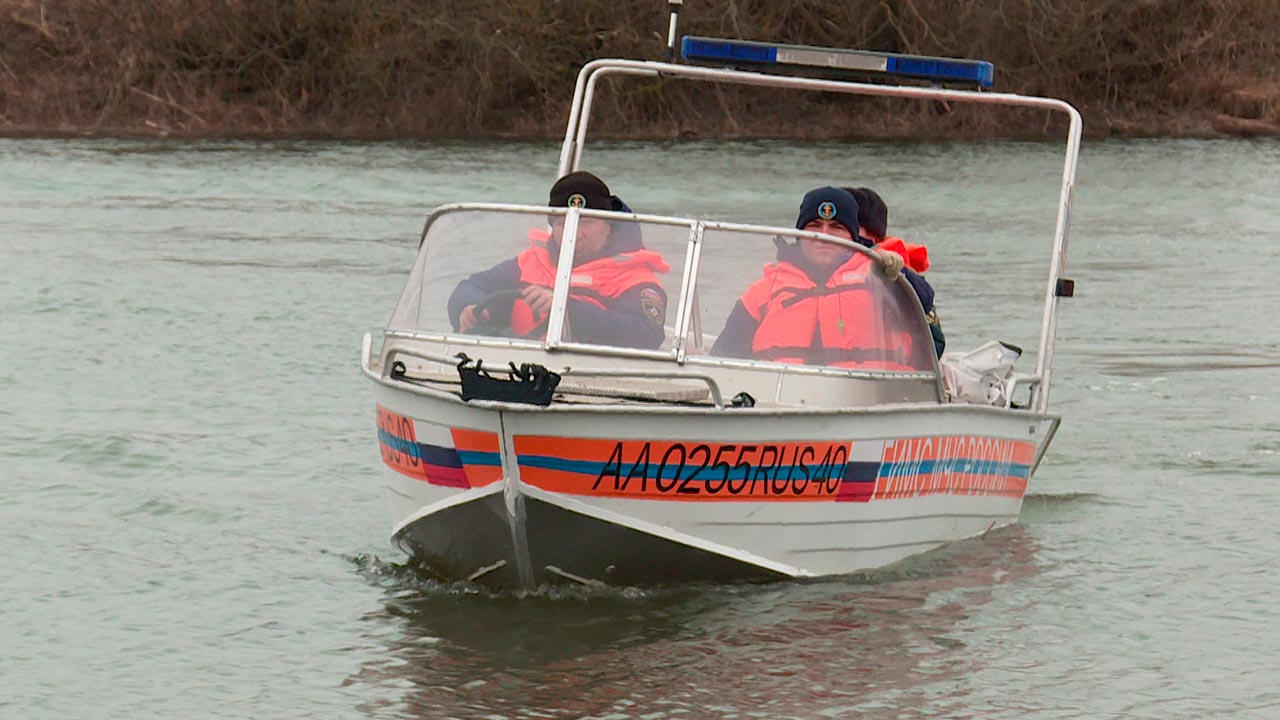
<point>500,68</point>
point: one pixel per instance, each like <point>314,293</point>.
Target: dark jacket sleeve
<point>503,276</point>
<point>939,340</point>
<point>923,290</point>
<point>739,333</point>
<point>633,319</point>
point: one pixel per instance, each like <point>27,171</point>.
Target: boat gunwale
<point>693,364</point>
<point>680,408</point>
<point>650,407</point>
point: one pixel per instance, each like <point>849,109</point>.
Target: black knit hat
<point>873,214</point>
<point>581,190</point>
<point>829,203</point>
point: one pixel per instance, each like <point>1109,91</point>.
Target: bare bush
<point>506,67</point>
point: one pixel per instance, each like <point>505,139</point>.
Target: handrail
<point>500,344</point>
<point>714,387</point>
<point>366,364</point>
<point>429,357</point>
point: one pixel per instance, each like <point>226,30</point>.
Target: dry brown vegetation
<point>506,67</point>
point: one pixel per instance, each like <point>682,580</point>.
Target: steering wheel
<point>499,305</point>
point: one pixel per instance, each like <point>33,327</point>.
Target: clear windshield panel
<point>458,244</point>
<point>629,295</point>
<point>776,297</point>
<point>491,273</point>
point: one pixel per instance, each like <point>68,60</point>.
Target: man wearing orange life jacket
<point>615,297</point>
<point>873,227</point>
<point>816,306</point>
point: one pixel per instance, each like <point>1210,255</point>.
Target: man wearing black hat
<point>813,307</point>
<point>615,296</point>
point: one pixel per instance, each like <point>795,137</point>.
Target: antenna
<point>674,5</point>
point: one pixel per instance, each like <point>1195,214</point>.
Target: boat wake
<point>1143,364</point>
<point>410,590</point>
<point>407,582</point>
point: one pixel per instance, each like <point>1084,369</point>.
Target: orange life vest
<point>838,324</point>
<point>594,281</point>
<point>915,256</point>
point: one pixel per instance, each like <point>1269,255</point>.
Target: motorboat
<point>551,457</point>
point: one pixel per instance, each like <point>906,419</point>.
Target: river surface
<point>192,520</point>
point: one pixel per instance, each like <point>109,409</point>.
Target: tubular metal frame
<point>584,93</point>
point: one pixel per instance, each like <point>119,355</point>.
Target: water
<point>192,522</point>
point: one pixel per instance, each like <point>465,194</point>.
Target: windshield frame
<point>686,316</point>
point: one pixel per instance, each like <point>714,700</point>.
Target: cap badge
<point>577,200</point>
<point>827,210</point>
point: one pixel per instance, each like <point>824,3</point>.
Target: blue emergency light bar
<point>719,50</point>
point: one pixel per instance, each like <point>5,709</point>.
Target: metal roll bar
<point>584,93</point>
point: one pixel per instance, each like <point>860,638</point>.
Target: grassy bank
<point>506,67</point>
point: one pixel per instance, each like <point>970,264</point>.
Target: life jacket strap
<point>799,294</point>
<point>827,355</point>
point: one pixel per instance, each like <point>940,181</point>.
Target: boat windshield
<point>760,294</point>
<point>773,295</point>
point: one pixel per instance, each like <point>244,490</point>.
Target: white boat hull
<point>515,496</point>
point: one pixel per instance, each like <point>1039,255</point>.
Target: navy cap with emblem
<point>580,189</point>
<point>829,203</point>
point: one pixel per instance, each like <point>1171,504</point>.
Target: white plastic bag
<point>980,376</point>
